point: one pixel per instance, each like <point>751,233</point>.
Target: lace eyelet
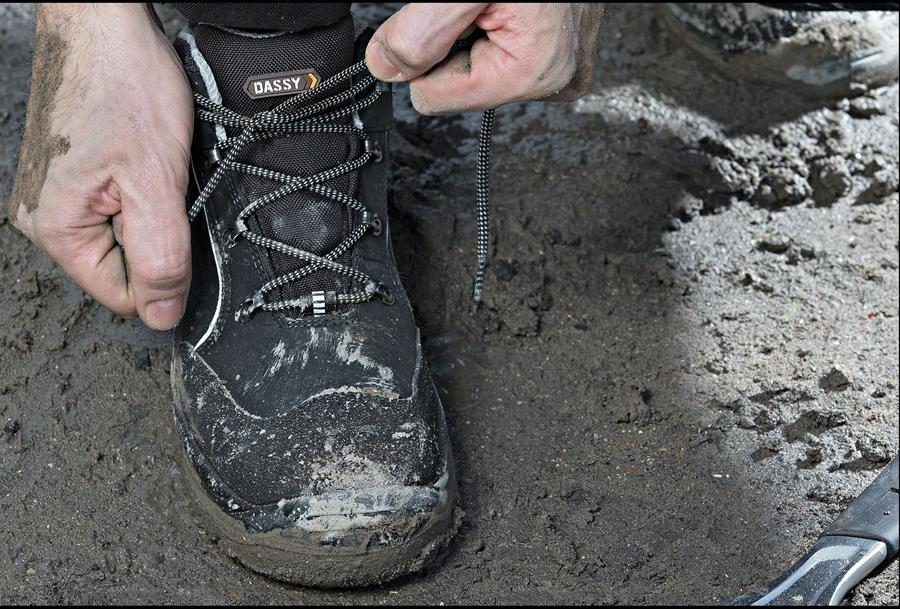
<point>213,156</point>
<point>385,294</point>
<point>374,149</point>
<point>237,232</point>
<point>373,221</point>
<point>295,117</point>
<point>381,292</point>
<point>249,307</point>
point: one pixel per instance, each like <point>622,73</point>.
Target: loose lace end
<point>482,200</point>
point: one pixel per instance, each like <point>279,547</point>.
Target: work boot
<point>314,439</point>
<point>833,53</point>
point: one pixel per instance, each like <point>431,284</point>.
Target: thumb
<point>484,77</point>
<point>416,38</point>
<point>156,239</point>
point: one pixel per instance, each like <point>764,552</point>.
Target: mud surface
<point>685,367</point>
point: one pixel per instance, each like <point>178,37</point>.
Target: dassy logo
<point>281,83</point>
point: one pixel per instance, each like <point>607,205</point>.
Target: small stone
<point>783,186</point>
<point>874,450</point>
<point>757,283</point>
<point>814,456</point>
<point>746,422</point>
<point>884,183</point>
<point>776,244</point>
<point>765,421</point>
<point>686,207</point>
<point>866,107</point>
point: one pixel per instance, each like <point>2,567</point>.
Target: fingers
<point>488,76</point>
<point>156,238</point>
<point>416,38</point>
<point>127,245</point>
<point>125,240</point>
<point>83,247</point>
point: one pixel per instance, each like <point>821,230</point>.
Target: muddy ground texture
<point>685,367</point>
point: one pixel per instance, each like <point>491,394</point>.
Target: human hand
<point>104,158</point>
<point>532,51</point>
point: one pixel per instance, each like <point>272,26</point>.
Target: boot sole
<point>334,544</point>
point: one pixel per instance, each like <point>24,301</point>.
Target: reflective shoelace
<point>310,112</point>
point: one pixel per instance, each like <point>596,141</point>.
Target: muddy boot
<point>313,437</point>
<point>816,53</point>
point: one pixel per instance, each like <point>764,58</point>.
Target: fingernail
<point>385,66</point>
<point>164,314</point>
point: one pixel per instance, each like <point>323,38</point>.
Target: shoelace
<point>310,112</point>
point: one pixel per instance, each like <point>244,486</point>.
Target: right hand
<point>103,168</point>
<point>531,51</point>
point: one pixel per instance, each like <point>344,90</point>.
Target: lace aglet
<point>479,284</point>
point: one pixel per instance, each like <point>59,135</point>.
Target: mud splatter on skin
<point>39,145</point>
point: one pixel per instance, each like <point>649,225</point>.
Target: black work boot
<point>313,436</point>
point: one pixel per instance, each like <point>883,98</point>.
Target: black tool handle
<point>875,513</point>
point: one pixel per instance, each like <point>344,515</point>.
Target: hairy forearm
<point>77,10</point>
<point>73,19</point>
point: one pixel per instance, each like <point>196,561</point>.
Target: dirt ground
<point>686,365</point>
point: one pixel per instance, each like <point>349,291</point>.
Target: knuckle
<point>163,272</point>
<point>429,104</point>
<point>407,50</point>
<point>420,100</point>
<point>562,73</point>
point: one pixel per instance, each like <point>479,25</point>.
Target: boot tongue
<point>249,68</point>
<point>234,56</point>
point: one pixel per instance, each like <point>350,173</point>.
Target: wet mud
<point>685,365</point>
